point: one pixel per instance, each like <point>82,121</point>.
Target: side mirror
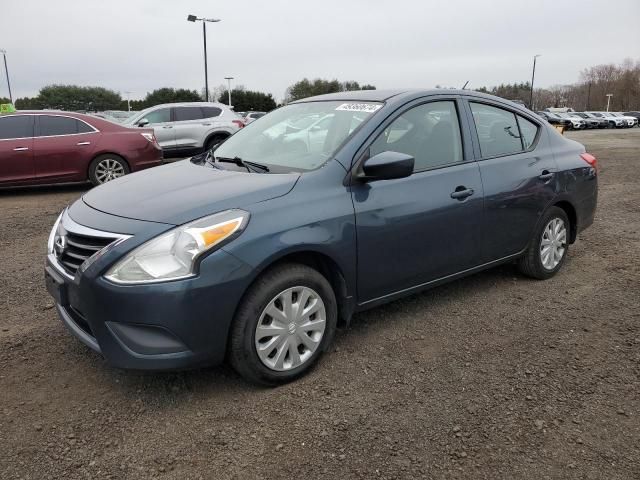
<point>387,166</point>
<point>143,122</point>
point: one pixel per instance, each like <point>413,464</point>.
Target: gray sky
<point>140,45</point>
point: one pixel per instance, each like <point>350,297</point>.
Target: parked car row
<point>583,120</point>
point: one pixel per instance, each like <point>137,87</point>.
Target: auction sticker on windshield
<point>360,107</point>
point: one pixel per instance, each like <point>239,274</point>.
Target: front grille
<point>77,248</point>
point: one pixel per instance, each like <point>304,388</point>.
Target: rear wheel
<point>548,249</point>
<point>285,322</point>
<point>105,168</point>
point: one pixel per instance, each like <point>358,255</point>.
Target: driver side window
<point>430,133</point>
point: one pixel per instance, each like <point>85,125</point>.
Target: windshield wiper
<point>250,166</point>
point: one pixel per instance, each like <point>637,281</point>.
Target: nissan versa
<point>255,250</point>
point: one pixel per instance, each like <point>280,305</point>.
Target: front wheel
<point>105,168</point>
<point>284,323</point>
<point>548,249</point>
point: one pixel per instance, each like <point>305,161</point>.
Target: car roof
<point>190,104</point>
<point>384,95</point>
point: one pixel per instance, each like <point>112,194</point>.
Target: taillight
<point>590,159</point>
<point>239,123</point>
<point>152,138</point>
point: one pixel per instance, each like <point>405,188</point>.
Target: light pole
<point>128,101</point>
<point>6,70</point>
<point>533,77</point>
<point>193,18</point>
<point>609,95</point>
<point>228,79</point>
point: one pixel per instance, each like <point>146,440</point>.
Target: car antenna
<point>465,84</point>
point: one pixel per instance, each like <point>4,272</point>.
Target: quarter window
<point>161,115</point>
<point>188,113</point>
<point>430,133</point>
<point>210,112</point>
<point>49,126</point>
<point>16,126</point>
<point>497,130</point>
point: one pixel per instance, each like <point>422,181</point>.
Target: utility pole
<point>228,79</point>
<point>6,70</point>
<point>609,95</point>
<point>193,18</point>
<point>128,101</point>
<point>533,77</point>
<point>588,97</point>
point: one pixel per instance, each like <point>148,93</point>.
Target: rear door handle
<point>546,175</point>
<point>206,124</point>
<point>83,143</point>
<point>168,126</point>
<point>461,193</point>
<point>20,149</point>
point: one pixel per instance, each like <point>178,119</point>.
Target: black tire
<point>93,178</point>
<point>531,263</point>
<point>242,352</point>
<point>213,141</point>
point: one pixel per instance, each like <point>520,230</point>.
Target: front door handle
<point>20,149</point>
<point>461,192</point>
<point>546,175</point>
<point>83,143</point>
<point>206,124</point>
<point>167,126</point>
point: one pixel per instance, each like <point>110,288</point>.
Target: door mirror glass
<point>143,122</point>
<point>387,165</point>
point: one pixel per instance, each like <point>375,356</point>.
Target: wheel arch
<point>222,134</point>
<point>326,265</point>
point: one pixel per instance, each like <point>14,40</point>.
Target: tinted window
<point>51,126</point>
<point>187,113</point>
<point>430,133</point>
<point>83,127</point>
<point>528,130</point>
<point>497,130</point>
<point>209,112</point>
<point>19,126</point>
<point>159,116</point>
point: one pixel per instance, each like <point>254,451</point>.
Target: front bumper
<point>160,326</point>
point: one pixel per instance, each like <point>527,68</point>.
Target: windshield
<point>297,137</point>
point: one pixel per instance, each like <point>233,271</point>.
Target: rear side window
<point>187,113</point>
<point>18,126</point>
<point>49,126</point>
<point>497,130</point>
<point>210,112</point>
<point>430,133</point>
<point>528,131</point>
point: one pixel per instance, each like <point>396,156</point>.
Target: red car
<point>42,147</point>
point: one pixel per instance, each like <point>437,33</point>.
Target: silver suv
<point>186,128</point>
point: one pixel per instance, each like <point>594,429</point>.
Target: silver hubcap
<point>290,328</point>
<point>553,243</point>
<point>108,169</point>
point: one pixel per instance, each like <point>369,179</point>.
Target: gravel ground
<point>492,377</point>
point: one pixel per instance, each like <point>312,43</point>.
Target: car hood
<point>184,191</point>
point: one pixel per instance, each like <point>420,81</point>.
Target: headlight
<point>173,255</point>
<point>52,235</point>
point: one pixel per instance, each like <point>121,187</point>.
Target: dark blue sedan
<point>255,251</point>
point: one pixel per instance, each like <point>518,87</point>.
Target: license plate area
<point>56,287</point>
